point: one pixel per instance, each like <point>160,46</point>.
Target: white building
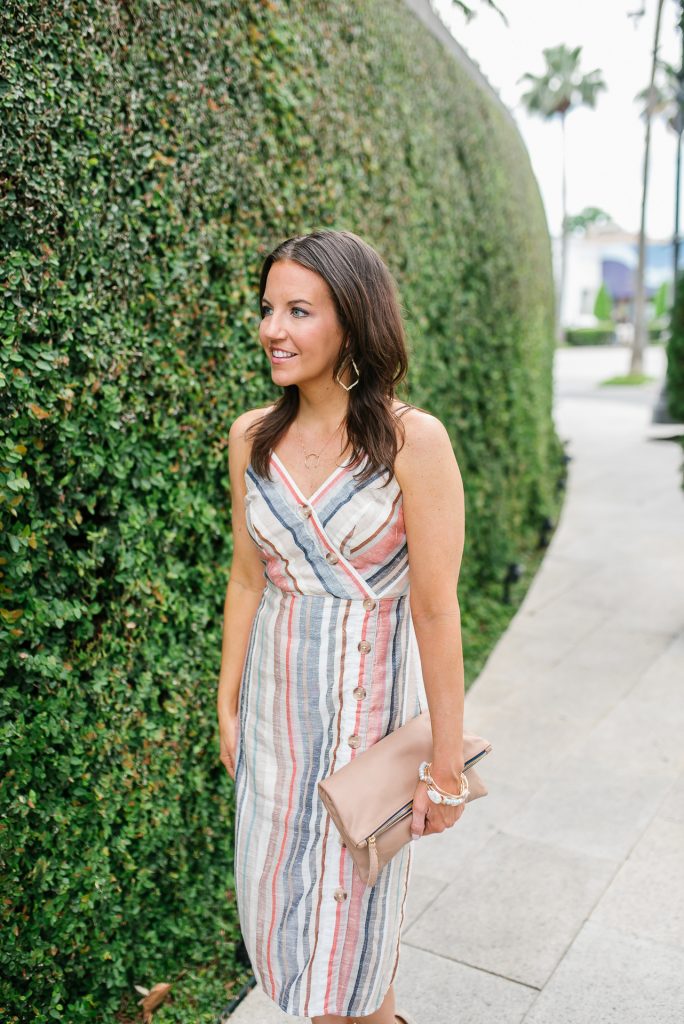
<point>607,254</point>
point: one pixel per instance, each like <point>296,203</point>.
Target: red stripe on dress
<point>374,554</point>
<point>293,775</point>
<point>378,695</point>
<point>353,931</point>
<point>286,481</point>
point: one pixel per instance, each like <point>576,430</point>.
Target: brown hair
<point>367,305</point>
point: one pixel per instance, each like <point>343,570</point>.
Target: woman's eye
<point>297,309</point>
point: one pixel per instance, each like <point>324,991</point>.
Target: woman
<point>319,653</point>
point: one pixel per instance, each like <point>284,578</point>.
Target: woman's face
<point>298,317</point>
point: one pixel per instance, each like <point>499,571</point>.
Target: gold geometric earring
<point>358,377</point>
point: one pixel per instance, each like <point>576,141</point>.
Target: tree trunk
<point>640,328</point>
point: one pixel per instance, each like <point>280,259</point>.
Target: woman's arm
<point>434,519</point>
<point>243,593</point>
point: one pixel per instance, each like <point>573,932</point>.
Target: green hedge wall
<point>152,153</point>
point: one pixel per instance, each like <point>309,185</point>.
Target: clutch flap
<point>380,781</point>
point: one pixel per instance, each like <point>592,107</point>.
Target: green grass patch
<point>627,379</point>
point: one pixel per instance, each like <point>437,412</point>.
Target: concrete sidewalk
<point>559,898</point>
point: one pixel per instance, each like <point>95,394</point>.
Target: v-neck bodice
<point>312,497</point>
<point>346,540</point>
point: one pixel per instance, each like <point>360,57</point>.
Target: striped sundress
<point>331,667</point>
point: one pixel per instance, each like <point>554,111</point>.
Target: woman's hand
<point>429,817</point>
<point>228,734</point>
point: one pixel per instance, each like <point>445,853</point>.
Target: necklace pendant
<point>309,460</point>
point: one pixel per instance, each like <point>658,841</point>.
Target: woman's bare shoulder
<point>239,445</point>
<point>245,420</point>
<point>425,442</point>
<point>420,426</point>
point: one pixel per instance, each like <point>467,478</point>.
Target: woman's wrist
<point>447,774</point>
<point>451,793</point>
<point>227,706</point>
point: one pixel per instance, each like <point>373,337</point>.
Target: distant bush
<point>603,306</point>
<point>675,355</point>
<point>601,335</point>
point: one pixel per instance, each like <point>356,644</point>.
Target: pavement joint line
<point>427,905</point>
<point>473,967</point>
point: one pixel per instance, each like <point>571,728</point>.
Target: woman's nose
<point>273,328</point>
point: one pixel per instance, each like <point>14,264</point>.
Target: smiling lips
<point>280,354</point>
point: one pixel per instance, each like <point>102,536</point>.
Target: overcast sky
<point>605,145</point>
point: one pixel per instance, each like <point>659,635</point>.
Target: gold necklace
<point>311,456</point>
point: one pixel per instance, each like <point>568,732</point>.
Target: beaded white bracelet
<point>438,795</point>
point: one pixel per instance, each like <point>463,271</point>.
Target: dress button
<point>340,895</point>
<point>354,740</point>
<point>305,511</point>
<point>369,604</point>
<point>331,557</point>
<point>359,692</point>
<point>364,646</point>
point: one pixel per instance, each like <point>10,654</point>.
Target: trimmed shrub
<point>602,335</point>
<point>152,154</point>
<point>603,305</point>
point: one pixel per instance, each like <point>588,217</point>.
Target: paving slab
<point>599,798</point>
<point>436,988</point>
<point>513,909</point>
<point>608,977</point>
<point>644,902</point>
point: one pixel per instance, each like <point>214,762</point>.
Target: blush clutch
<point>370,799</point>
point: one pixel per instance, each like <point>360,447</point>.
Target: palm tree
<point>561,88</point>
